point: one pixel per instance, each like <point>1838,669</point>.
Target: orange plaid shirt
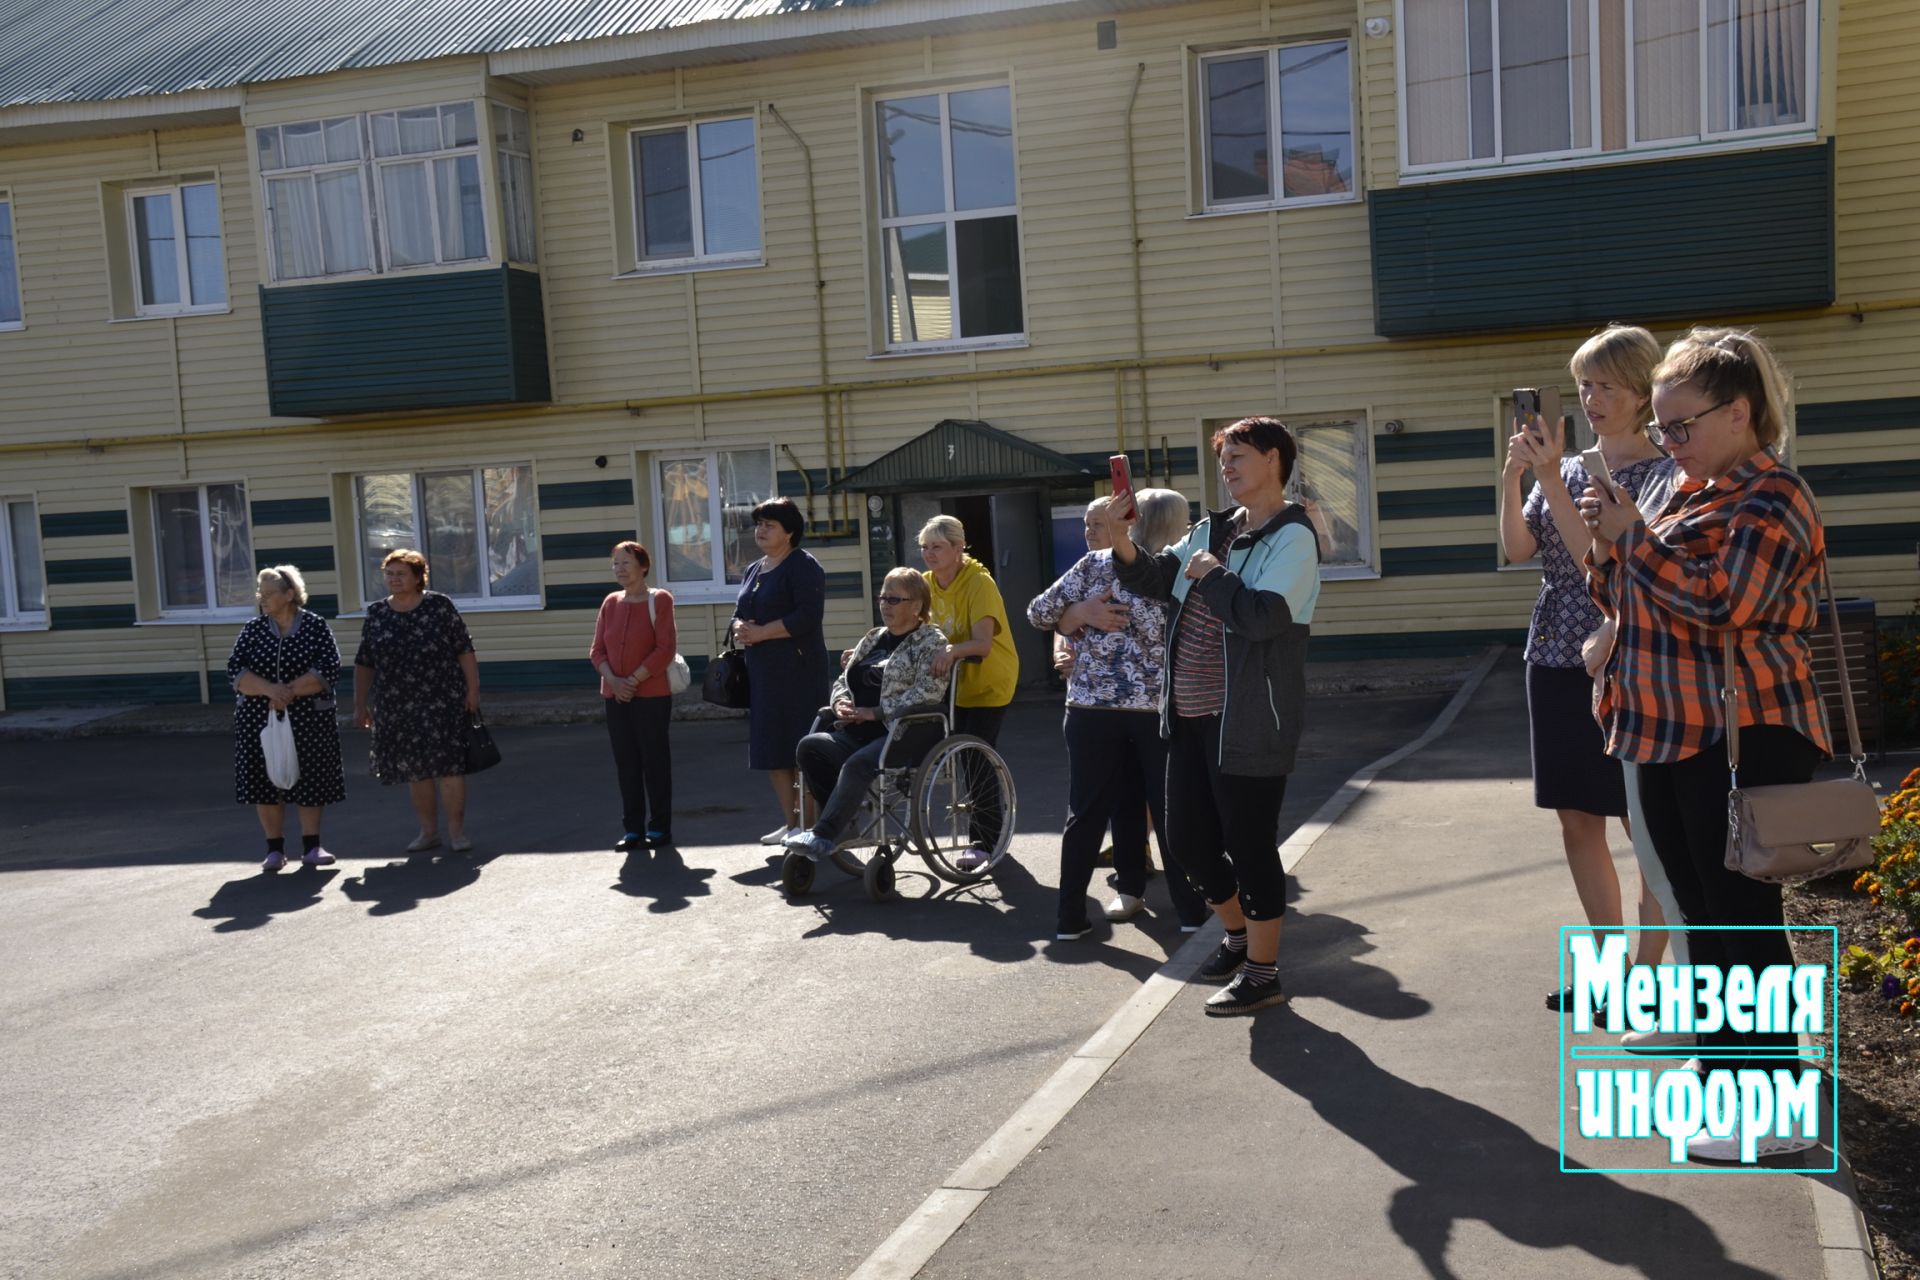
<point>1741,553</point>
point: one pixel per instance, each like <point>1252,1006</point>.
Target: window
<point>203,543</point>
<point>513,161</point>
<point>175,246</point>
<point>10,313</point>
<point>703,508</point>
<point>949,218</point>
<point>1500,81</point>
<point>23,579</point>
<point>1333,482</point>
<point>391,190</point>
<point>1301,95</point>
<point>696,194</point>
<point>479,528</point>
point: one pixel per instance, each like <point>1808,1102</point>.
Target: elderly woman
<point>1244,582</point>
<point>284,663</point>
<point>1737,555</point>
<point>1572,773</point>
<point>415,684</point>
<point>1115,757</point>
<point>633,645</point>
<point>969,611</point>
<point>777,621</point>
<point>891,672</point>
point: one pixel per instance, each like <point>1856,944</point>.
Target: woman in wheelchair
<point>890,673</point>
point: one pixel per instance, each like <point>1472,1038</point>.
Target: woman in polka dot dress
<point>286,661</point>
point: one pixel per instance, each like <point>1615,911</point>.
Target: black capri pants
<point>1224,827</point>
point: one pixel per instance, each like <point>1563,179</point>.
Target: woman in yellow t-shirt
<point>968,608</point>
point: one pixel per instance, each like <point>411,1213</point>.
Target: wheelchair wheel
<point>796,875</point>
<point>879,874</point>
<point>962,784</point>
<point>848,861</point>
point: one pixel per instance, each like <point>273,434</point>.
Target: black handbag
<point>482,752</point>
<point>725,684</point>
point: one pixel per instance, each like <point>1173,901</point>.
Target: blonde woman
<point>969,611</point>
<point>285,662</point>
<point>1572,773</point>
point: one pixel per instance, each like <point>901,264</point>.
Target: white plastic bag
<point>679,674</point>
<point>276,744</point>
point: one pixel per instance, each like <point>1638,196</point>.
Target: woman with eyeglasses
<point>285,662</point>
<point>892,671</point>
<point>1737,552</point>
<point>1572,773</point>
<point>1116,760</point>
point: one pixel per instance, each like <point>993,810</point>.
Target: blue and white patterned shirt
<point>1112,670</point>
<point>1565,615</point>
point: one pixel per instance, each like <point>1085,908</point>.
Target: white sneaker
<point>1124,907</point>
<point>1653,1042</point>
<point>1704,1146</point>
<point>973,859</point>
<point>777,836</point>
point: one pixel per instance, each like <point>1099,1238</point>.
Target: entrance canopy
<point>962,454</point>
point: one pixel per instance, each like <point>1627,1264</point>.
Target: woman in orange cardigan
<point>633,643</point>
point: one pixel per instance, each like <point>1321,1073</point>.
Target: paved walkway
<point>1399,1117</point>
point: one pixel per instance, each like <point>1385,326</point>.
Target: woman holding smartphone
<point>1572,773</point>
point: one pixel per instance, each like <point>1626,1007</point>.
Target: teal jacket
<point>1263,593</point>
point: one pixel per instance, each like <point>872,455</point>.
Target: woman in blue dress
<point>777,622</point>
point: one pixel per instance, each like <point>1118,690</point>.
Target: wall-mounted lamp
<point>1393,426</point>
<point>1377,27</point>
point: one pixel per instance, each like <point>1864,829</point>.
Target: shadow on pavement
<point>254,900</point>
<point>402,886</point>
<point>1321,956</point>
<point>997,918</point>
<point>1468,1164</point>
<point>663,875</point>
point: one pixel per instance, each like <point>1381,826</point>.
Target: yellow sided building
<point>280,284</point>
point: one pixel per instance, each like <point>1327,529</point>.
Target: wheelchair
<point>932,785</point>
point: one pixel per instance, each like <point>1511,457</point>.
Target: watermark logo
<point>1609,1095</point>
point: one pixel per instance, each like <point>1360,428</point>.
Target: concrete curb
<point>915,1241</point>
<point>1846,1250</point>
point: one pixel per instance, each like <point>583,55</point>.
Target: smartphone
<point>1596,466</point>
<point>1121,473</point>
<point>1526,403</point>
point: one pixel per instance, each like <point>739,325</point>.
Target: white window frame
<point>13,223</point>
<point>1275,162</point>
<point>311,194</point>
<point>211,611</point>
<point>1597,153</point>
<point>504,177</point>
<point>700,258</point>
<point>141,307</point>
<point>1367,506</point>
<point>715,589</point>
<point>371,591</point>
<point>1810,89</point>
<point>12,616</point>
<point>377,164</point>
<point>949,217</point>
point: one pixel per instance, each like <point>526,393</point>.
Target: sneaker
<point>316,858</point>
<point>1221,965</point>
<point>777,836</point>
<point>1704,1146</point>
<point>1243,995</point>
<point>1073,933</point>
<point>626,843</point>
<point>1658,1044</point>
<point>1124,907</point>
<point>273,862</point>
<point>972,859</point>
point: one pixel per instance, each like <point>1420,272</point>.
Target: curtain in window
<point>230,531</point>
<point>1329,484</point>
<point>29,578</point>
<point>296,228</point>
<point>1436,52</point>
<point>463,217</point>
<point>1761,47</point>
<point>516,204</point>
<point>343,221</point>
<point>452,548</point>
<point>409,214</point>
<point>686,519</point>
<point>1666,69</point>
<point>513,531</point>
<point>386,524</point>
<point>746,481</point>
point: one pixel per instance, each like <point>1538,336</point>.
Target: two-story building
<point>510,283</point>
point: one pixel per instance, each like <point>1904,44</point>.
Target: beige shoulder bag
<point>1799,830</point>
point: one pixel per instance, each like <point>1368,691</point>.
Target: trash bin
<point>1858,628</point>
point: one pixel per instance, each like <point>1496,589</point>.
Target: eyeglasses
<point>1679,429</point>
<point>893,599</point>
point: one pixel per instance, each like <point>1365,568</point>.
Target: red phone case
<point>1121,473</point>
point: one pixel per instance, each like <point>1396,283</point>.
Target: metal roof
<point>71,51</point>
<point>961,452</point>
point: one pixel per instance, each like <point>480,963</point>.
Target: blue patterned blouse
<point>1112,670</point>
<point>1564,616</point>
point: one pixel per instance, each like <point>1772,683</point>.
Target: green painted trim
<point>92,617</point>
<point>1415,644</point>
<point>272,511</point>
<point>583,546</point>
<point>1477,557</point>
<point>1436,504</point>
<point>580,495</point>
<point>848,584</point>
<point>1892,475</point>
<point>554,673</point>
<point>66,573</point>
<point>83,524</point>
<point>314,559</point>
<point>327,606</point>
<point>1873,540</point>
<point>578,595</point>
<point>1434,446</point>
<point>1837,417</point>
<point>26,693</point>
<point>1186,462</point>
